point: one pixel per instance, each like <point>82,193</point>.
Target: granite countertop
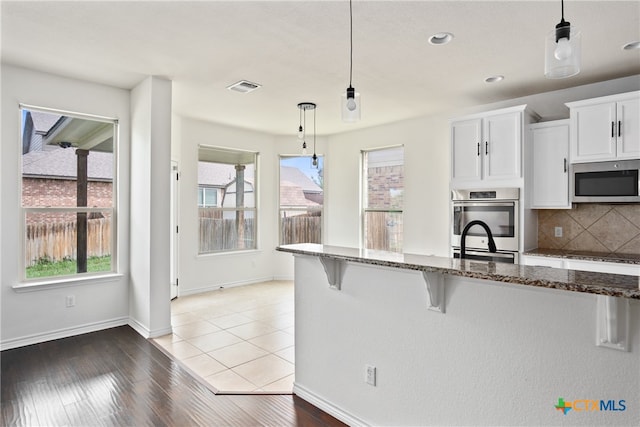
<point>586,256</point>
<point>546,277</point>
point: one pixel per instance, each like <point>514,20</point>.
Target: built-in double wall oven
<point>498,209</point>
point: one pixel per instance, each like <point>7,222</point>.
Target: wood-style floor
<point>116,377</point>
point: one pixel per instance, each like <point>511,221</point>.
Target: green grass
<point>46,268</point>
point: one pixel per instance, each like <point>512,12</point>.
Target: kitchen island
<point>462,342</point>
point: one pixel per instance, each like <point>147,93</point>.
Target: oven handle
<point>489,254</point>
<point>463,204</point>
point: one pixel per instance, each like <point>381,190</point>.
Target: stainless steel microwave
<point>606,182</point>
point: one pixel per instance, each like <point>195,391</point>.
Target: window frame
<point>203,190</point>
<point>298,208</point>
<point>218,207</point>
<point>24,211</point>
<point>364,200</point>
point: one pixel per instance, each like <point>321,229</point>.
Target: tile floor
<point>239,340</point>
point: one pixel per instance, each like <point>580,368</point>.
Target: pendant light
<point>351,99</point>
<point>300,128</point>
<point>562,50</point>
<point>303,107</point>
<point>314,158</point>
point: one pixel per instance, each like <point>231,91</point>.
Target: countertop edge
<point>580,286</point>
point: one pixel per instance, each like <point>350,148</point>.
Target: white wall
<point>199,273</point>
<point>426,145</point>
<point>150,207</point>
<point>499,355</point>
<point>29,317</point>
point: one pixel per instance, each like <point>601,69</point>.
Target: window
<point>207,197</point>
<point>301,200</point>
<point>68,191</point>
<point>226,200</point>
<point>383,190</point>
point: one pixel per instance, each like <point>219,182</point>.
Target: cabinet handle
<point>565,165</point>
<point>613,129</point>
<point>619,128</point>
<point>486,148</point>
<point>478,149</point>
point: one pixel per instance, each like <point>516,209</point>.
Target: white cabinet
<point>488,146</point>
<point>542,261</point>
<point>603,267</point>
<point>606,128</point>
<point>547,163</point>
<point>582,265</point>
<point>466,137</point>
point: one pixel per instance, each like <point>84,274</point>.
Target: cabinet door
<point>628,115</point>
<point>549,156</point>
<point>502,142</point>
<point>465,150</point>
<point>593,132</point>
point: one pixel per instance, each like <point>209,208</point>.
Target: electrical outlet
<point>370,374</point>
<point>71,300</point>
<point>558,231</point>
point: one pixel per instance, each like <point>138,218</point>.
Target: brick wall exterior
<point>380,182</point>
<point>38,192</point>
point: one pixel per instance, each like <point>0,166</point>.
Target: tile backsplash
<point>591,227</point>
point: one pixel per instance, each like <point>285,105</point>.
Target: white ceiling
<point>299,51</point>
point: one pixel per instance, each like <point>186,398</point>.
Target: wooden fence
<point>56,241</point>
<point>218,234</point>
<point>384,231</point>
<point>301,229</point>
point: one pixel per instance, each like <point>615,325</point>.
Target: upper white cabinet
<point>488,146</point>
<point>606,128</point>
<point>547,164</point>
<point>466,141</point>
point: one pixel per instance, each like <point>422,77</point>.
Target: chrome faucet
<point>492,243</point>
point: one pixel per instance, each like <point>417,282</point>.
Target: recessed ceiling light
<point>494,79</point>
<point>631,46</point>
<point>440,38</point>
<point>244,86</point>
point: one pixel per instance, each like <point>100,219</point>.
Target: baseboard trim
<point>160,332</point>
<point>146,332</point>
<point>215,287</point>
<point>327,406</point>
<point>62,333</point>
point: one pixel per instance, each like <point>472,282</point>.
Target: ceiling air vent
<point>244,86</point>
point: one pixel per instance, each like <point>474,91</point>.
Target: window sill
<point>42,285</point>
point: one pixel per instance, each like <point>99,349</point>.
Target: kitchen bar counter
<point>555,278</point>
<point>427,328</point>
<point>586,256</point>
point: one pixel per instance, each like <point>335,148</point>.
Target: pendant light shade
<point>351,106</point>
<point>350,99</point>
<point>562,50</point>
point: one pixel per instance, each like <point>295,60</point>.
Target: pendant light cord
<point>562,10</point>
<point>350,42</point>
<point>314,131</point>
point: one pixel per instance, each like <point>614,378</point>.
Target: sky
<point>304,164</point>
